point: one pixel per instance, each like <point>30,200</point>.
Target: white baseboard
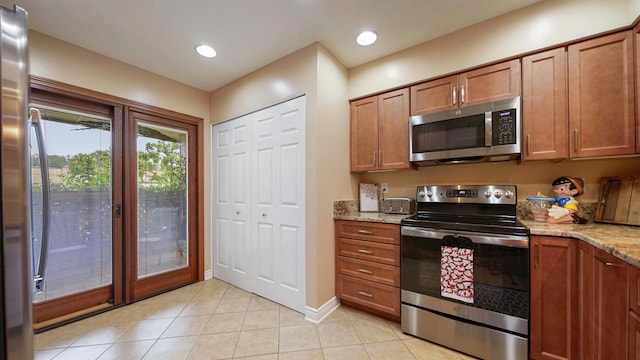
<point>208,274</point>
<point>317,315</point>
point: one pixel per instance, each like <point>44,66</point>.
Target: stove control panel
<point>479,194</point>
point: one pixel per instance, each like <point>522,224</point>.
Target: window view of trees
<point>160,168</point>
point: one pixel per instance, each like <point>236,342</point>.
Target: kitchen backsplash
<point>587,210</point>
<point>345,207</point>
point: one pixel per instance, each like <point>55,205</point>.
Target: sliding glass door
<point>162,199</point>
<point>73,217</point>
<point>115,201</point>
<point>163,225</point>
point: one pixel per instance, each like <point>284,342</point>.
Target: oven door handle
<point>477,238</point>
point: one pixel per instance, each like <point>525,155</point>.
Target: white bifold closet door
<point>258,203</point>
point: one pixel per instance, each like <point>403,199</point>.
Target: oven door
<point>498,276</point>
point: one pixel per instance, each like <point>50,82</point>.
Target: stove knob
<point>508,194</point>
<point>498,194</point>
<point>429,193</point>
<point>421,194</point>
<point>487,194</point>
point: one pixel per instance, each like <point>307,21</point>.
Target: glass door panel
<point>163,243</point>
<point>79,172</point>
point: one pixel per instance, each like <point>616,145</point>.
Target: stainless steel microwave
<point>483,132</point>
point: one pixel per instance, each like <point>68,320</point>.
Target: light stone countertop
<point>372,217</point>
<point>622,241</point>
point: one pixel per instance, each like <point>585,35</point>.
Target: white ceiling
<point>160,35</point>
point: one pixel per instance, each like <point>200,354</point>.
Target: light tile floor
<point>214,320</point>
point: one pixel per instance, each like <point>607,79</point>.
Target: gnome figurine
<point>565,209</point>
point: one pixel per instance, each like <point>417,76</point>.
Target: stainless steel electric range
<point>465,270</point>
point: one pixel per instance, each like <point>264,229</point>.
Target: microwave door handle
<point>488,129</point>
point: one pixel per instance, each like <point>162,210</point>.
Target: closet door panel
<point>291,201</point>
<point>231,201</point>
<point>279,203</point>
<point>259,172</point>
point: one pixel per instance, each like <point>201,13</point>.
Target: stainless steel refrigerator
<point>15,253</point>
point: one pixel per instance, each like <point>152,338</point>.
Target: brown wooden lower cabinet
<point>554,289</point>
<point>585,303</point>
<point>368,266</point>
<point>603,304</point>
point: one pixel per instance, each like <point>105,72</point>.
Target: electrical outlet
<point>384,188</point>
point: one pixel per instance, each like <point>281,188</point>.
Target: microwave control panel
<point>503,127</point>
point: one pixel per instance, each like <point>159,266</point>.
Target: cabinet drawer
<point>367,270</point>
<point>367,250</point>
<point>375,296</point>
<point>379,232</point>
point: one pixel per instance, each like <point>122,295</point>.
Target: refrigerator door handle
<point>39,272</point>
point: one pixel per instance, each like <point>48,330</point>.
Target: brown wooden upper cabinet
<point>544,106</point>
<point>602,96</point>
<point>380,132</point>
<point>494,82</point>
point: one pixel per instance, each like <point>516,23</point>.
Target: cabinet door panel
<point>544,106</point>
<point>553,294</point>
<point>490,83</point>
<point>636,32</point>
<point>585,301</point>
<point>634,289</point>
<point>611,310</point>
<point>433,96</point>
<point>393,136</point>
<point>634,336</point>
<point>601,96</point>
<point>364,134</point>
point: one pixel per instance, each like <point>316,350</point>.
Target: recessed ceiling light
<point>206,51</point>
<point>366,38</point>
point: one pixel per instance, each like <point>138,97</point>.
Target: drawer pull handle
<point>366,232</point>
<point>607,263</point>
<point>363,251</point>
<point>365,271</point>
<point>365,294</point>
